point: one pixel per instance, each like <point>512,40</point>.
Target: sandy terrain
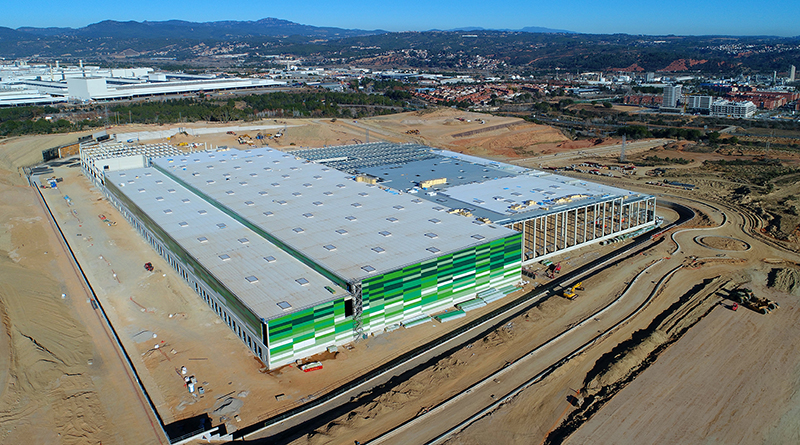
<point>66,377</point>
<point>62,381</point>
<point>736,357</point>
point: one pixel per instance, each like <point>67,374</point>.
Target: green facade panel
<point>308,331</point>
<point>440,283</point>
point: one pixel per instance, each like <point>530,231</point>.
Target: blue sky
<point>682,17</point>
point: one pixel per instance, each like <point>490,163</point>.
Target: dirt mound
<point>723,243</point>
<point>785,280</point>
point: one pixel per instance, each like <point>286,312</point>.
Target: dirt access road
<point>64,380</point>
<point>732,379</point>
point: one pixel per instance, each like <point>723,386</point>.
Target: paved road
<point>429,427</point>
<point>306,418</point>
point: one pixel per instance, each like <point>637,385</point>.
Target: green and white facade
<point>296,257</point>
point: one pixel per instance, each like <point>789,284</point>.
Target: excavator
<point>570,293</point>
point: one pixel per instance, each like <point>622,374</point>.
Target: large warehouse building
<point>298,255</point>
<point>555,213</point>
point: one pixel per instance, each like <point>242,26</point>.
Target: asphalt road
<point>285,428</point>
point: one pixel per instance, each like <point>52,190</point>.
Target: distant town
<point>773,96</point>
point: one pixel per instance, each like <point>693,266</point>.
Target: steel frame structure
<point>555,233</point>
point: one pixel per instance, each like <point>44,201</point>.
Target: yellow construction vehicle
<point>746,298</point>
<point>570,293</point>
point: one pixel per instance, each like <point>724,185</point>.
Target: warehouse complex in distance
<point>299,252</point>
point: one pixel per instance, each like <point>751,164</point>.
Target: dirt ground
<point>62,380</point>
<point>738,366</point>
<point>65,376</point>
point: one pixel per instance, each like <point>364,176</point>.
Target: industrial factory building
<point>297,254</point>
<point>554,213</point>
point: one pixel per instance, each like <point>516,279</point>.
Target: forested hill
<point>250,43</point>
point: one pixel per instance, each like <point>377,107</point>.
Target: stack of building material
<point>418,320</point>
<point>452,315</point>
<point>469,305</point>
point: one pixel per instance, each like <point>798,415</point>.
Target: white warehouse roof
<point>352,229</point>
<point>258,272</point>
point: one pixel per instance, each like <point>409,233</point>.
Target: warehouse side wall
<point>237,316</point>
<point>437,284</point>
<point>308,331</point>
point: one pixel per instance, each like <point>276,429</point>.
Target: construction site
<point>425,288</point>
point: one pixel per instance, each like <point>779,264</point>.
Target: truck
<point>746,298</point>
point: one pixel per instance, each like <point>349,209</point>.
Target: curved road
<point>285,427</point>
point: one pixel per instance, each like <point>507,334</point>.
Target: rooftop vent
<point>431,235</point>
<point>244,240</point>
<point>224,257</point>
<point>284,305</point>
<point>341,231</point>
<point>302,281</point>
<point>368,268</point>
<point>298,230</point>
<point>183,223</point>
<point>269,259</point>
<point>385,233</point>
<point>167,211</point>
<point>433,250</point>
<point>202,239</point>
<point>434,220</point>
<point>378,249</point>
<point>329,247</point>
<point>202,212</point>
<point>251,279</point>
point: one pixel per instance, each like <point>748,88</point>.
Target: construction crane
<point>570,293</point>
